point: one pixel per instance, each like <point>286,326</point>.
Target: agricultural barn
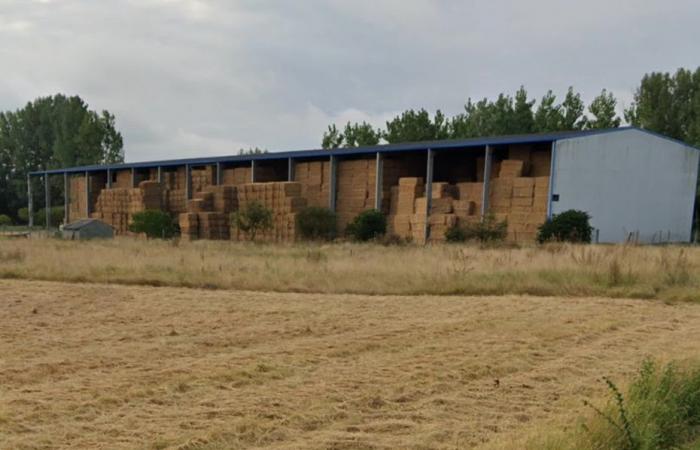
<point>635,185</point>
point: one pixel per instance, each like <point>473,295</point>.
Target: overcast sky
<point>207,77</point>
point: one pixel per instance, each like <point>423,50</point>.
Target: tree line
<point>50,133</point>
<point>663,102</point>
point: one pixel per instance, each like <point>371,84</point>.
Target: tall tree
<point>332,138</point>
<point>572,108</point>
<point>603,110</point>
<point>361,134</point>
<point>49,133</point>
<point>523,117</point>
<point>548,115</point>
<point>668,104</point>
<point>414,126</point>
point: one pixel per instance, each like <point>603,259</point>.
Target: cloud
<point>204,77</point>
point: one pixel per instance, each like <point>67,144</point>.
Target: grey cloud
<point>196,77</point>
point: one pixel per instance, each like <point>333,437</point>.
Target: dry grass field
<point>666,273</point>
<point>85,366</point>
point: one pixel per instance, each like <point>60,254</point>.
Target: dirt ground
<point>106,366</point>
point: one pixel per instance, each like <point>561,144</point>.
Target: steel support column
<point>488,164</point>
<point>30,201</point>
<point>133,177</point>
<point>219,178</point>
<point>379,182</point>
<point>188,182</point>
<point>290,169</point>
<point>66,198</point>
<point>47,203</point>
<point>160,174</point>
<point>252,171</point>
<point>109,178</point>
<point>428,192</point>
<point>332,196</point>
<point>87,194</point>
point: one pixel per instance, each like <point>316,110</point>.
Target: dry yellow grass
<point>669,273</point>
<point>106,366</point>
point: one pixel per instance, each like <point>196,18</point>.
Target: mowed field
<point>110,366</point>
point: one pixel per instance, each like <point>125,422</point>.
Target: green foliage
<point>414,126</point>
<point>504,116</point>
<point>367,225</point>
<point>354,135</point>
<point>252,219</point>
<point>49,133</point>
<point>361,134</point>
<point>603,110</point>
<point>661,410</point>
<point>456,234</point>
<point>316,223</point>
<point>569,226</point>
<point>488,230</point>
<point>5,220</point>
<point>23,215</point>
<point>155,224</point>
<point>252,151</point>
<point>57,216</point>
<point>566,116</point>
<point>332,138</point>
<point>668,104</point>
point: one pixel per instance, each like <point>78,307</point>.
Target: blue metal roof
<point>452,144</point>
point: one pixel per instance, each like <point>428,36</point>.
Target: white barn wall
<point>628,181</point>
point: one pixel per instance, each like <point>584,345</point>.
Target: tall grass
<point>660,410</point>
<point>669,273</point>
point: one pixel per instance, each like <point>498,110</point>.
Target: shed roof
<point>448,144</point>
<point>82,223</point>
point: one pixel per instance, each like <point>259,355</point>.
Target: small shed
<point>87,229</point>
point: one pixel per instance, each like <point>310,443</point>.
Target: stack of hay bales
<point>284,199</point>
<point>174,191</point>
<point>77,209</point>
<point>520,199</point>
<point>223,198</point>
<point>469,203</point>
<point>117,206</point>
<point>314,178</point>
<point>441,217</point>
<point>356,189</point>
<point>207,215</point>
<point>403,198</point>
<point>202,178</point>
<point>236,175</point>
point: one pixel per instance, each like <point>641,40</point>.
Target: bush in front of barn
<point>569,226</point>
<point>367,225</point>
<point>155,224</point>
<point>5,220</point>
<point>252,219</point>
<point>488,230</point>
<point>316,224</point>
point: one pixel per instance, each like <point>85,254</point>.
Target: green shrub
<point>569,226</point>
<point>315,223</point>
<point>23,215</point>
<point>5,221</point>
<point>252,219</point>
<point>154,223</point>
<point>661,410</point>
<point>367,225</point>
<point>57,216</point>
<point>456,233</point>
